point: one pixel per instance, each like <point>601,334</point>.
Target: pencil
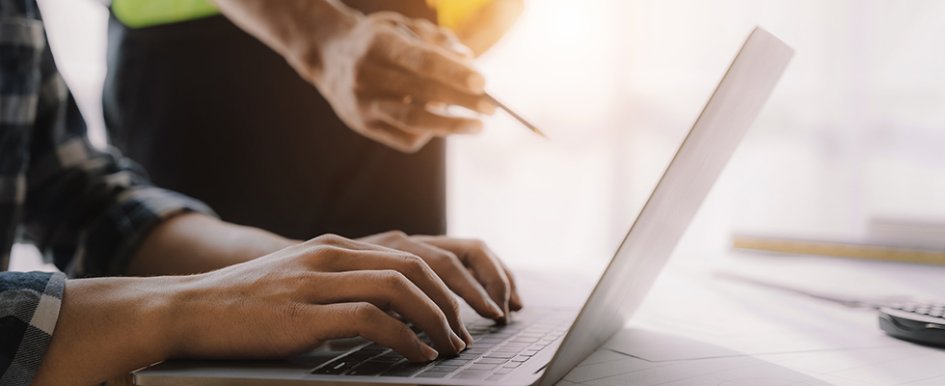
<point>515,115</point>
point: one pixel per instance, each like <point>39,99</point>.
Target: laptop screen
<point>731,109</point>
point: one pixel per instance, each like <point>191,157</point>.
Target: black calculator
<point>915,322</point>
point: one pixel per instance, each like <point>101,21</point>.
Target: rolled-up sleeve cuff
<point>127,223</point>
<point>29,309</point>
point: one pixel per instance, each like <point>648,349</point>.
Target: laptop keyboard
<point>495,352</point>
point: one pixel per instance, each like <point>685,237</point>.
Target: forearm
<point>108,327</point>
<point>194,243</point>
<point>296,29</point>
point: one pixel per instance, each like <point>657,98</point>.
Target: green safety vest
<point>146,13</point>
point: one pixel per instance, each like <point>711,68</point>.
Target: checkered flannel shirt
<point>86,209</point>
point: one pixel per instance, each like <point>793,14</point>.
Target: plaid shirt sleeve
<point>29,308</point>
<point>86,209</point>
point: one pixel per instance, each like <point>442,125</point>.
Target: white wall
<point>855,129</point>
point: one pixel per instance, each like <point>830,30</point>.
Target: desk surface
<point>697,328</point>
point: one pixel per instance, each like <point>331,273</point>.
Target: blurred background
<point>854,132</point>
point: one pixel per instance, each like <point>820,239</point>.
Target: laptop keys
<point>491,361</point>
<point>370,368</point>
<point>454,362</point>
<point>473,374</point>
<point>497,351</point>
<point>438,372</point>
<point>404,369</point>
<point>336,368</point>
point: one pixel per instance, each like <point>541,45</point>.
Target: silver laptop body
<point>542,345</point>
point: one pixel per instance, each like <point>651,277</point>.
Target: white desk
<point>697,328</point>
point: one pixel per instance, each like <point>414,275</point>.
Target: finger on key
<point>348,320</point>
<point>485,267</point>
<point>415,269</point>
<point>387,290</point>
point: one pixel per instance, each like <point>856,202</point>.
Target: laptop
<point>541,345</point>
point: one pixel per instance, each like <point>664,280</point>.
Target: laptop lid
<point>731,109</point>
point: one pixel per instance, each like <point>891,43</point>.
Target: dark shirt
<point>213,113</point>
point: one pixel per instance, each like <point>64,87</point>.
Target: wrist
<point>314,31</point>
<point>108,327</point>
<point>180,319</point>
<point>297,30</point>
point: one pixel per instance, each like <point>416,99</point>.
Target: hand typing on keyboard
<point>332,287</point>
<point>489,289</point>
